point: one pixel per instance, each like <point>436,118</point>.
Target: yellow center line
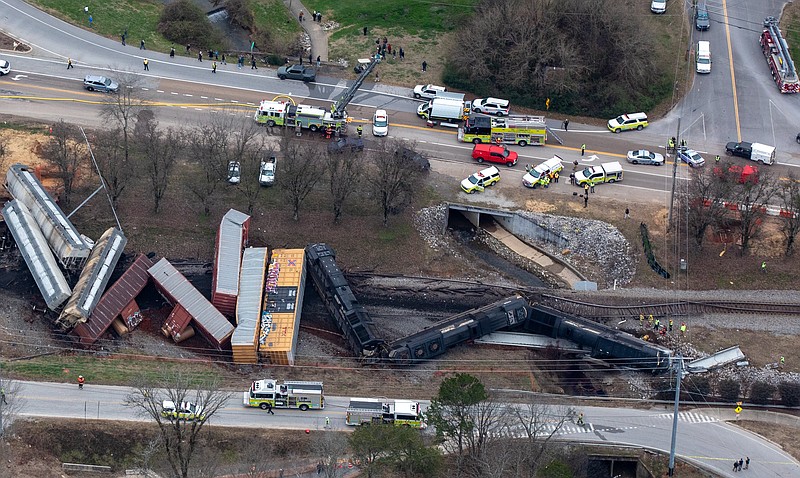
<point>733,75</point>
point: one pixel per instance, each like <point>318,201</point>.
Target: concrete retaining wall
<point>530,231</point>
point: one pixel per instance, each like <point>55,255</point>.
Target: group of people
<point>737,465</point>
<point>655,323</point>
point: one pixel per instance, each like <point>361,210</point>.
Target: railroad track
<point>607,307</point>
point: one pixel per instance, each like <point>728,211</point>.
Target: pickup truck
<point>755,151</point>
<point>605,173</point>
<point>297,72</point>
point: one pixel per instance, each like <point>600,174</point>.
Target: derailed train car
<point>469,325</point>
<point>602,342</point>
<point>351,317</point>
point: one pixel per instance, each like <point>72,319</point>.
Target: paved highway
<point>701,439</point>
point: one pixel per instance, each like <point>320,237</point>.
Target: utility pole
<point>674,175</point>
<point>678,377</point>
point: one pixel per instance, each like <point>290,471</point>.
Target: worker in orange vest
<point>81,381</point>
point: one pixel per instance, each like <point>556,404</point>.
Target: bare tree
<point>11,405</point>
<point>540,424</point>
<point>109,154</point>
<point>344,172</point>
<point>64,151</point>
<point>299,171</point>
<point>160,152</point>
<point>122,108</point>
<point>208,144</point>
<point>753,197</point>
<point>789,195</point>
<point>329,447</point>
<point>247,148</point>
<point>178,437</point>
<point>704,200</point>
<point>392,179</point>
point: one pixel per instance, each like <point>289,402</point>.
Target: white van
<point>703,57</point>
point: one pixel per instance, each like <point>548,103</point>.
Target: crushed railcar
<point>93,279</point>
<point>70,247</point>
<point>469,325</point>
<point>232,238</point>
<point>244,341</point>
<point>118,301</point>
<point>602,342</point>
<point>334,290</point>
<point>190,304</point>
<point>33,247</point>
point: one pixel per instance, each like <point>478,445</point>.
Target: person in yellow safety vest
<point>656,324</point>
<point>650,319</point>
<point>683,328</point>
<point>360,130</point>
<point>671,144</point>
<point>580,419</point>
<point>716,158</point>
<point>641,320</point>
<point>783,360</point>
<point>670,325</point>
<point>555,176</point>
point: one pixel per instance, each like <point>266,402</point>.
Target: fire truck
<point>282,113</point>
<point>780,62</point>
<point>267,394</point>
<point>377,411</point>
<point>515,129</point>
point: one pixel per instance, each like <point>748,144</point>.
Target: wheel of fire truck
<point>263,406</point>
<point>270,123</point>
<point>478,141</point>
<point>314,128</point>
<point>303,407</point>
<point>523,143</point>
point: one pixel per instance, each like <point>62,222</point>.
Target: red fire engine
<point>780,62</point>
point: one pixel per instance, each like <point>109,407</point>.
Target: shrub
<point>762,392</point>
<point>183,22</point>
<point>729,390</point>
<point>790,393</point>
<point>698,387</point>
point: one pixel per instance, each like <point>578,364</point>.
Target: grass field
<point>790,27</point>
<point>396,17</point>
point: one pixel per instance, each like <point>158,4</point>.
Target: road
<point>701,439</point>
<point>737,101</point>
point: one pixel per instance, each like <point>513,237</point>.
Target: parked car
<point>494,154</point>
<point>100,83</point>
<point>427,91</point>
<point>266,173</point>
<point>340,145</point>
<point>691,157</point>
<point>643,156</point>
<point>480,180</point>
<point>380,123</point>
<point>415,157</point>
<point>297,72</point>
<point>658,6</point>
<point>491,106</point>
<point>234,173</point>
<point>5,67</point>
<point>621,123</point>
<point>186,411</point>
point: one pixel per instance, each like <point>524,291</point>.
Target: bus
<point>516,129</point>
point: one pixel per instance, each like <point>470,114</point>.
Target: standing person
<point>81,381</point>
<point>200,55</point>
<point>188,47</point>
<point>69,63</point>
<point>365,31</point>
<point>746,462</point>
<point>641,320</point>
<point>214,67</point>
<point>123,39</point>
<point>627,216</point>
<point>146,63</point>
<point>172,52</point>
<point>253,63</point>
<point>300,16</point>
<point>3,397</point>
<point>424,65</point>
<point>670,325</point>
<point>310,58</point>
<point>141,45</point>
<point>782,361</point>
<point>586,191</point>
<point>763,267</point>
<point>566,124</point>
<point>223,58</point>
<point>683,328</point>
<point>241,61</point>
<point>583,149</point>
<point>555,177</point>
<point>319,61</point>
<point>591,187</point>
<point>656,324</point>
<point>402,54</point>
<point>327,422</point>
<point>90,21</point>
<point>360,130</point>
<point>269,409</point>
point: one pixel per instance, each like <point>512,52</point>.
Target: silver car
<point>100,83</point>
<point>643,156</point>
<point>691,157</point>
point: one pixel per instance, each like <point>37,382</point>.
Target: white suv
<point>492,106</point>
<point>428,91</point>
<point>5,67</point>
<point>658,6</point>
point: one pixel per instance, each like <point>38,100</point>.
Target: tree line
<point>721,198</point>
